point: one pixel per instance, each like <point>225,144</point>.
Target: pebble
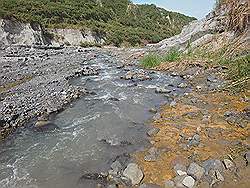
<point>133,173</point>
<point>188,182</point>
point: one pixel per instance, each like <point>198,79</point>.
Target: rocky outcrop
<point>74,37</point>
<point>14,32</point>
<point>203,31</point>
<point>18,33</point>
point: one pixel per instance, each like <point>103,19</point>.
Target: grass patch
<point>151,60</point>
<point>172,55</point>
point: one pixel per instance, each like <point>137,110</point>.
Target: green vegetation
<point>172,55</point>
<point>119,21</point>
<point>151,60</point>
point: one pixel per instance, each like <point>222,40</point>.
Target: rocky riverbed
<point>34,82</point>
<point>74,117</point>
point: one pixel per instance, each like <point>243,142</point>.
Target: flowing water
<point>93,131</point>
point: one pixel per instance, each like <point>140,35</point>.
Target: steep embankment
<point>89,22</point>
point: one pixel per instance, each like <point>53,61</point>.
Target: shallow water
<point>92,132</point>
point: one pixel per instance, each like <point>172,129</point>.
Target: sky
<point>195,8</point>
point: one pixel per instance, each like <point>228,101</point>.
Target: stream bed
<point>92,132</point>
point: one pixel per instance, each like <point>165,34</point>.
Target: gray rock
<point>169,184</point>
<point>116,166</point>
<point>196,171</point>
<point>228,164</point>
<point>180,169</point>
<point>152,132</point>
<point>195,140</point>
<point>133,173</point>
<point>149,185</point>
<point>188,181</point>
<point>153,154</point>
<point>219,175</point>
<point>212,164</point>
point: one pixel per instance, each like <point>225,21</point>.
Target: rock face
<point>74,37</point>
<point>14,32</point>
<point>198,32</point>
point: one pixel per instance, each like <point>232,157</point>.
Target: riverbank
<point>35,82</point>
<point>199,128</point>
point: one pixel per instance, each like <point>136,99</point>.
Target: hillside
<point>119,22</point>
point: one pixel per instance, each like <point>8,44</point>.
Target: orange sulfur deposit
<point>201,114</point>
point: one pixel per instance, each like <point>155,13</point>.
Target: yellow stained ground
<point>173,122</point>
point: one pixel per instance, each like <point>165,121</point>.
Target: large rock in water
<point>133,173</point>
